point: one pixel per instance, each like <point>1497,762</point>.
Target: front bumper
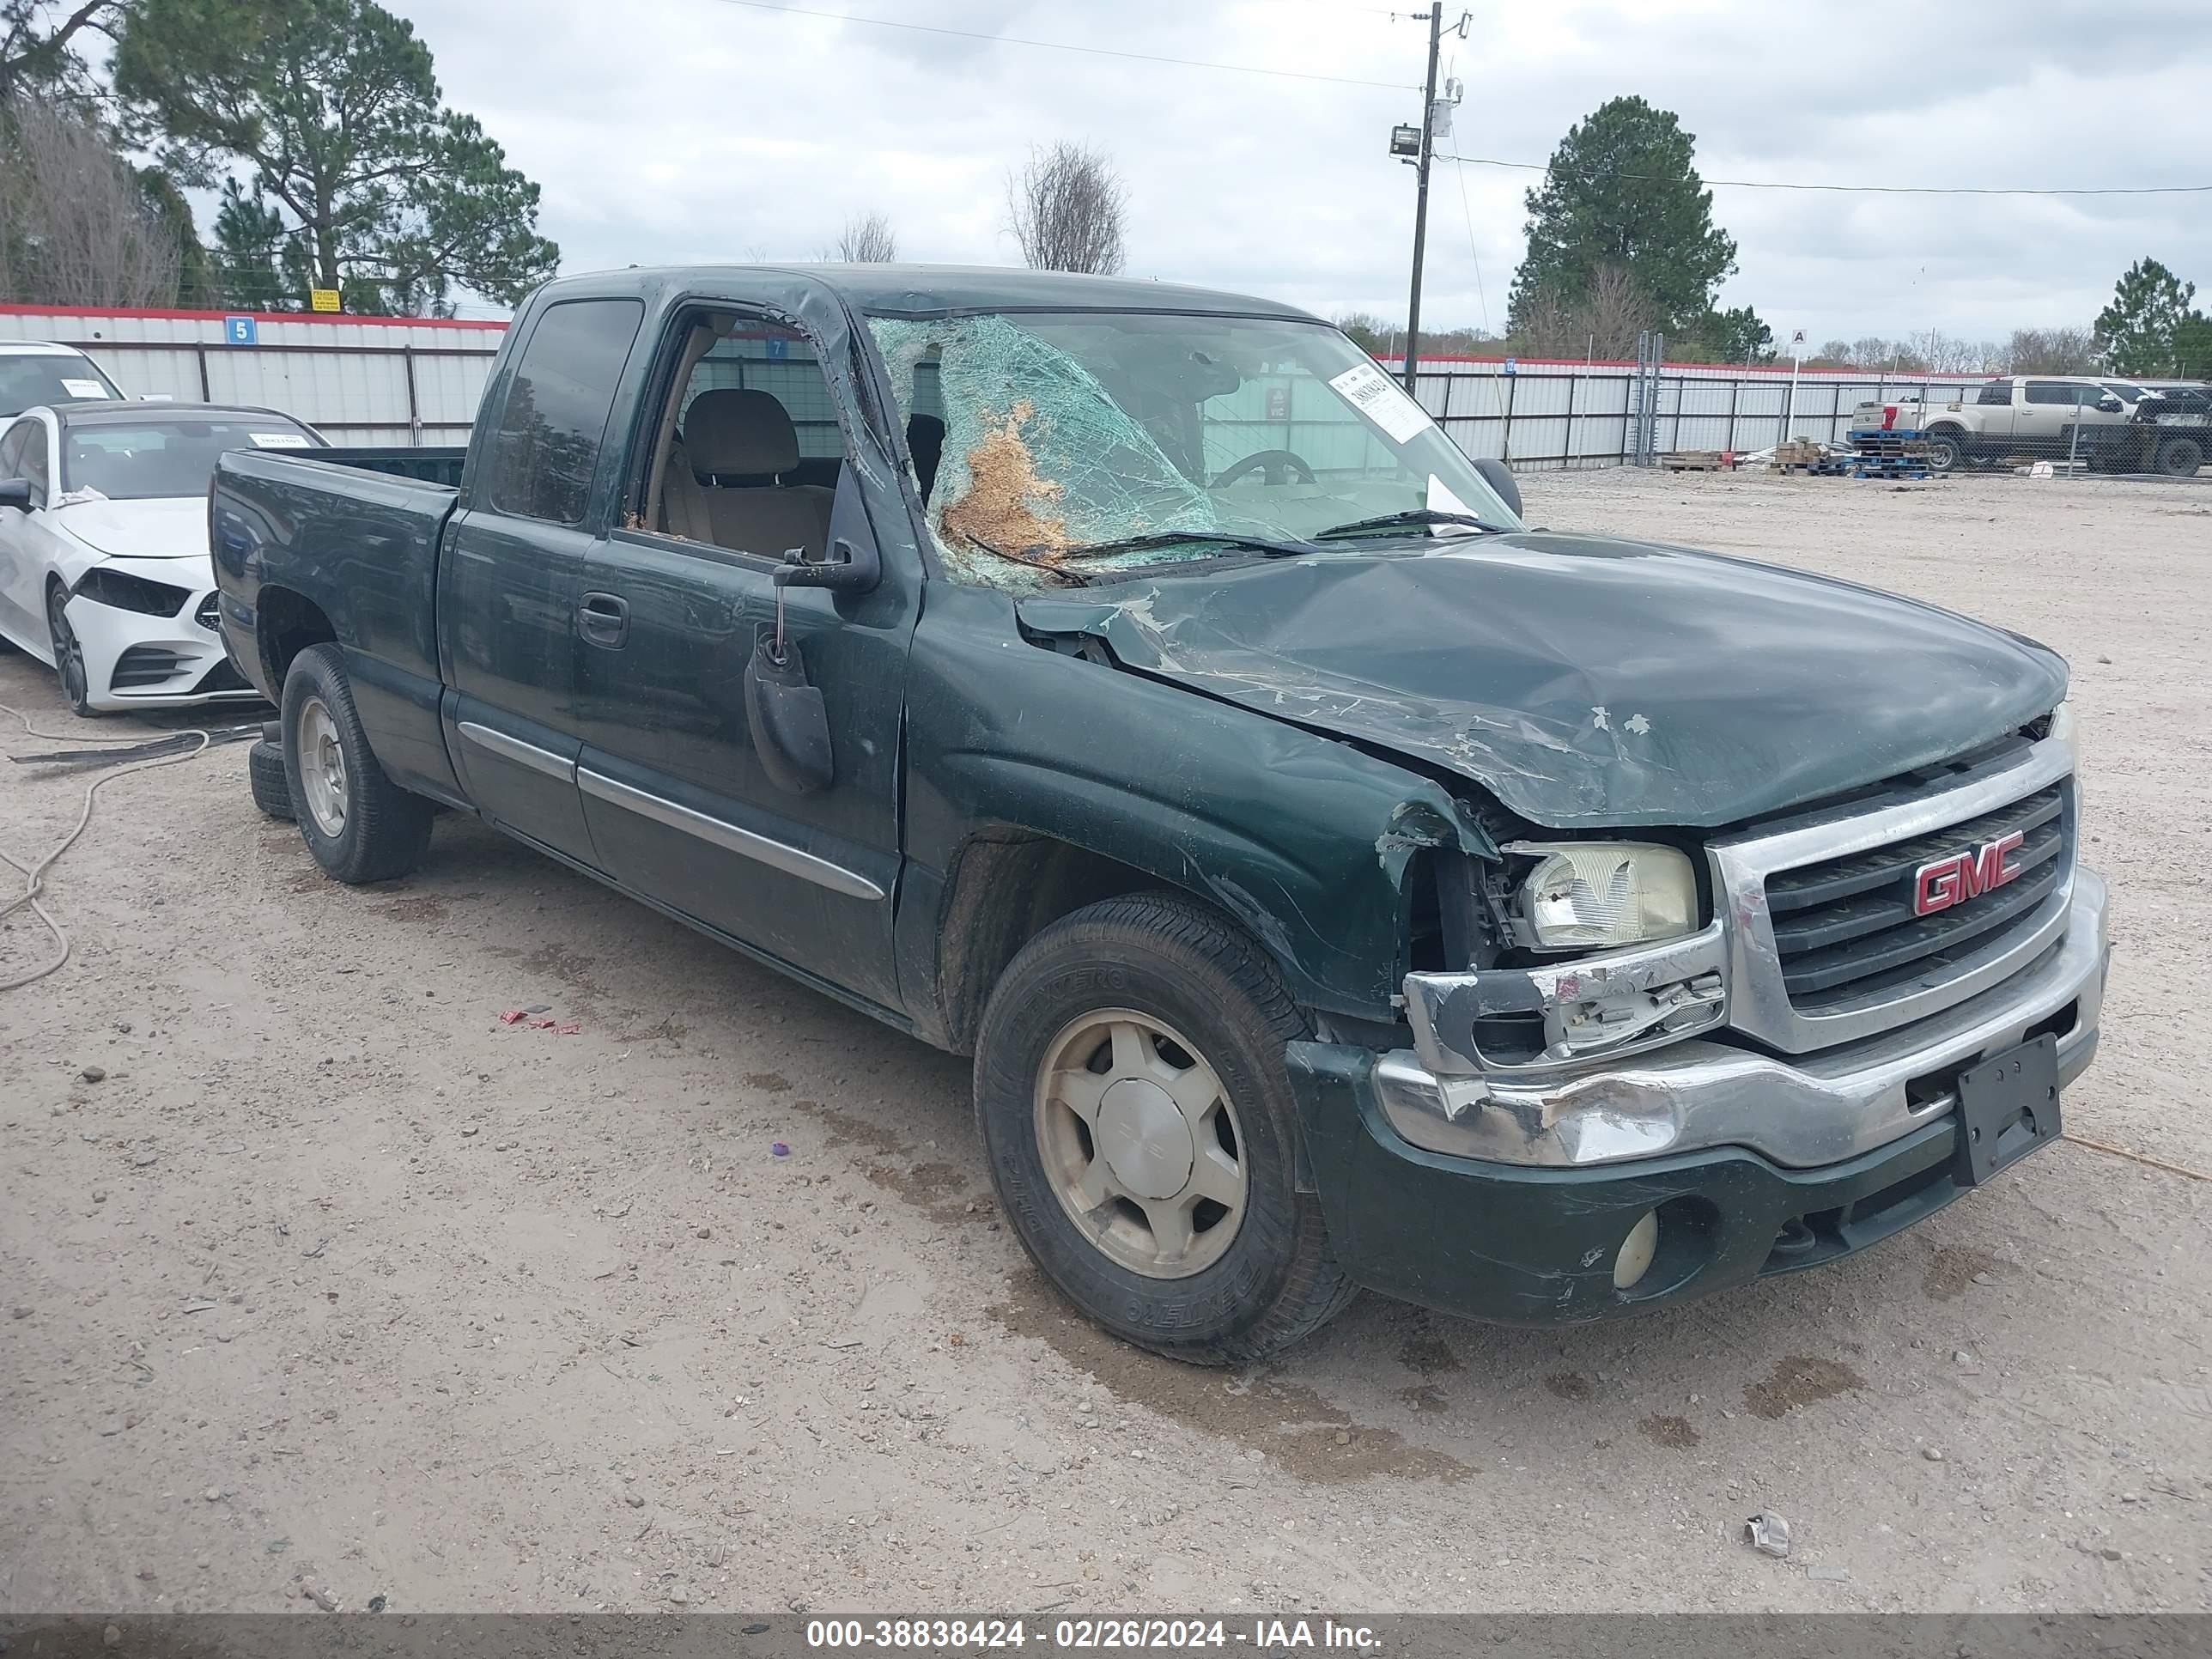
<point>164,662</point>
<point>1512,1202</point>
<point>1800,1111</point>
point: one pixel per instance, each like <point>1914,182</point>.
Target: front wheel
<point>1945,450</point>
<point>69,653</point>
<point>1136,1114</point>
<point>360,825</point>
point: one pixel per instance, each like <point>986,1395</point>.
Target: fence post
<point>414,409</point>
<point>1567,444</point>
<point>1736,386</point>
<point>1505,430</point>
<point>207,394</point>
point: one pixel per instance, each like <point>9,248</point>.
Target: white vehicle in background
<point>105,573</point>
<point>35,372</point>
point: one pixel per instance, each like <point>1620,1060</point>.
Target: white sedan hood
<point>166,527</point>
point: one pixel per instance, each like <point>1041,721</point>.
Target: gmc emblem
<point>1957,877</point>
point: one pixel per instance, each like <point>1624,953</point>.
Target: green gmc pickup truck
<point>1337,882</point>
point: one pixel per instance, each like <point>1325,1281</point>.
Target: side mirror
<point>16,493</point>
<point>1499,477</point>
<point>2109,403</point>
<point>847,569</point>
<point>785,715</point>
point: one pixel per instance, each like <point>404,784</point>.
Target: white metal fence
<point>370,380</point>
<point>1556,415</point>
<point>360,380</point>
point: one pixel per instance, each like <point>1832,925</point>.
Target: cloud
<point>672,130</point>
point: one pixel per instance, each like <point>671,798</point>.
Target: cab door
<point>681,802</point>
<point>510,572</point>
<point>1993,414</point>
<point>2044,418</point>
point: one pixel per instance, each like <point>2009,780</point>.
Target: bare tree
<point>867,240</point>
<point>2051,351</point>
<point>1066,210</point>
<point>75,225</point>
<point>1615,311</point>
<point>1603,321</point>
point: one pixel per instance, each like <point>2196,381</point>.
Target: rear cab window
<point>554,424</point>
<point>1997,393</point>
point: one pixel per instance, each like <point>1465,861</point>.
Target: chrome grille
<point>1846,931</point>
<point>1824,945</point>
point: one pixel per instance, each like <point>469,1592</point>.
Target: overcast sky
<point>670,131</point>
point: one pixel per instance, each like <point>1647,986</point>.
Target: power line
<point>1062,46</point>
<point>1874,190</point>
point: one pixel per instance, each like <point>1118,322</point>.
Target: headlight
<point>2061,721</point>
<point>1604,893</point>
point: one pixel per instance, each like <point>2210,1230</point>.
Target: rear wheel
<point>360,825</point>
<point>68,654</point>
<point>1136,1113</point>
<point>1947,448</point>
<point>2179,457</point>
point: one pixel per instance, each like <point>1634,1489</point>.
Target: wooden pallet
<point>1694,461</point>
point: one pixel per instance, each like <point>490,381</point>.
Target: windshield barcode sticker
<point>278,440</point>
<point>1382,400</point>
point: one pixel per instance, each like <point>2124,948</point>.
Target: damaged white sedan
<point>103,567</point>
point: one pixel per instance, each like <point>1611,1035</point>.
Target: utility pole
<point>1421,192</point>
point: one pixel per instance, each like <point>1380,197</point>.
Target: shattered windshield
<point>1043,443</point>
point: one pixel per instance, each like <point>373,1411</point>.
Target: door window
<point>11,448</point>
<point>34,460</point>
<point>2050,391</point>
<point>752,459</point>
<point>547,445</point>
<point>1998,392</point>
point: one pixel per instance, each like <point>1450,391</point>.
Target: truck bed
<point>438,463</point>
<point>327,544</point>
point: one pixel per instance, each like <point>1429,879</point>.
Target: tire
<point>360,826</point>
<point>1192,986</point>
<point>1947,449</point>
<point>272,784</point>
<point>68,655</point>
<point>2179,457</point>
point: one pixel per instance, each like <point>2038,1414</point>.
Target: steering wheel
<point>1277,465</point>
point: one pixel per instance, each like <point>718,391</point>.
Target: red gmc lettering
<point>1951,880</point>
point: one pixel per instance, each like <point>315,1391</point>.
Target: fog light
<point>1636,1251</point>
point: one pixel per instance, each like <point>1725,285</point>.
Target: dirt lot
<point>333,1276</point>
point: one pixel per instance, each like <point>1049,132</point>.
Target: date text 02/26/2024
<point>1156,1635</point>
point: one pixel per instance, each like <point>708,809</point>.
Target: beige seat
<point>723,479</point>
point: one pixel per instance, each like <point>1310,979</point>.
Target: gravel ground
<point>317,1274</point>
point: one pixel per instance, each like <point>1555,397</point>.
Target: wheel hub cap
<point>1144,1139</point>
<point>1141,1144</point>
<point>322,768</point>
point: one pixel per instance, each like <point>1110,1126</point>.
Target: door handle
<point>603,620</point>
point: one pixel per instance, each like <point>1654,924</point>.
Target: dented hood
<point>1584,681</point>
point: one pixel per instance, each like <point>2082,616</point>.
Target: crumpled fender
<point>1305,840</point>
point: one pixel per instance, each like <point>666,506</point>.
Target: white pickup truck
<point>2030,414</point>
